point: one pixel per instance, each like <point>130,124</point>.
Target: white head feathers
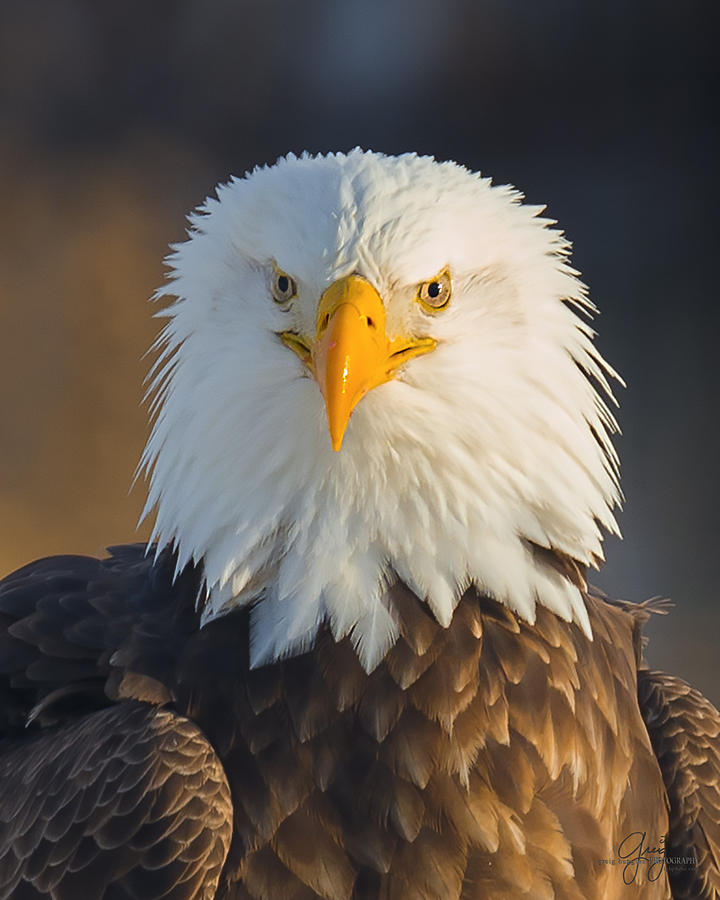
<point>448,474</point>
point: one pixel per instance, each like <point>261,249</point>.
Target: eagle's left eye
<point>434,294</point>
<point>283,286</point>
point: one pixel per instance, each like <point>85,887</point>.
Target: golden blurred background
<point>116,119</point>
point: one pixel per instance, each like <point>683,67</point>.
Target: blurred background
<point>117,118</point>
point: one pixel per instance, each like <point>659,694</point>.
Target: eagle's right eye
<point>434,295</point>
<point>283,286</point>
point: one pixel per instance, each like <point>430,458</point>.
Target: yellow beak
<point>352,353</point>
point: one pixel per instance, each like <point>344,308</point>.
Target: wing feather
<point>684,731</point>
<point>131,800</point>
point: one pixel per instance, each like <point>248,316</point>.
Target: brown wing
<point>130,802</point>
<point>63,618</point>
<point>684,731</point>
<point>102,800</point>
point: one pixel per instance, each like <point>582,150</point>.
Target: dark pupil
<point>434,289</point>
<point>283,284</point>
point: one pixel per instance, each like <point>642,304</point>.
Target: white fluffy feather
<point>496,438</point>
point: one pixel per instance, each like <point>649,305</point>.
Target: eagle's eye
<point>434,295</point>
<point>283,286</point>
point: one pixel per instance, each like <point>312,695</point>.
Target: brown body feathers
<point>492,759</point>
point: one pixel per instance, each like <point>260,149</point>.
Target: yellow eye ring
<point>282,286</point>
<point>434,295</point>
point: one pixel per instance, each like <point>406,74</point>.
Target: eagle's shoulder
<point>66,621</point>
<point>114,791</point>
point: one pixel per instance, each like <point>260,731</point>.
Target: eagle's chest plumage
<point>490,759</point>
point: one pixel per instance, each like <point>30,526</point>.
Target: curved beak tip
<point>336,440</point>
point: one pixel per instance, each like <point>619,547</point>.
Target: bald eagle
<point>360,658</point>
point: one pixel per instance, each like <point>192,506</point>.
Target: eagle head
<point>376,369</point>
